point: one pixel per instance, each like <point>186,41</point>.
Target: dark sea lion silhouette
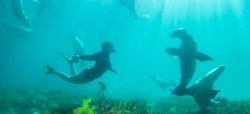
<point>18,11</point>
<point>202,91</point>
<point>188,55</point>
<point>130,5</point>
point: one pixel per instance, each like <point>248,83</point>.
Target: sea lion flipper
<point>173,51</point>
<point>212,93</point>
<point>202,57</point>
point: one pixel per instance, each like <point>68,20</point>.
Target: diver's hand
<point>75,58</point>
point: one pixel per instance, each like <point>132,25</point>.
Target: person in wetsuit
<point>102,64</point>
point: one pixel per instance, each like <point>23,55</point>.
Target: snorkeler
<point>102,64</point>
<point>188,55</point>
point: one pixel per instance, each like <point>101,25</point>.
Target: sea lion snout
<point>179,33</point>
<point>221,68</point>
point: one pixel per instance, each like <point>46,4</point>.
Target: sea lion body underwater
<point>202,91</point>
<point>188,55</point>
<point>162,83</point>
<point>18,11</point>
<point>130,5</point>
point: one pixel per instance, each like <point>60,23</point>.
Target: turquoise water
<point>220,28</point>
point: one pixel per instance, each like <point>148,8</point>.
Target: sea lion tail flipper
<point>203,99</point>
<point>173,51</point>
<point>202,57</point>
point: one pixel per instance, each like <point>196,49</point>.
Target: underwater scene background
<point>220,28</point>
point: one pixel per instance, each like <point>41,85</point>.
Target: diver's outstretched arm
<point>85,57</point>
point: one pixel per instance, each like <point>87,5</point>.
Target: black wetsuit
<point>102,64</point>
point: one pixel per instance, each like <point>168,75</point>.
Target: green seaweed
<point>86,108</point>
<point>116,106</point>
<point>25,101</point>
